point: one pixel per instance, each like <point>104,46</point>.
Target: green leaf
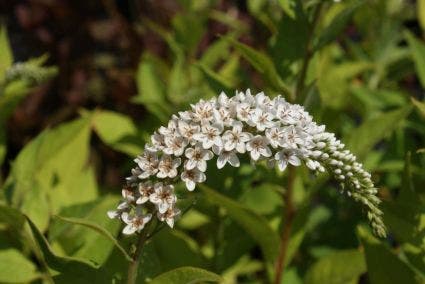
<point>16,268</point>
<point>421,13</point>
<point>262,63</point>
<point>151,89</point>
<point>417,48</point>
<point>186,275</point>
<point>84,242</point>
<point>382,265</point>
<point>96,228</point>
<point>2,143</point>
<point>117,131</point>
<point>420,106</point>
<point>255,225</point>
<point>71,270</point>
<point>290,43</point>
<point>340,267</point>
<point>339,22</point>
<point>6,56</point>
<point>334,79</point>
<point>363,138</point>
<point>11,217</point>
<point>52,172</point>
<point>215,80</point>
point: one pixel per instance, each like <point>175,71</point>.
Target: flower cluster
<point>267,129</point>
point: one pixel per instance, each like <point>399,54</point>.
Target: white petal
<point>221,161</point>
<point>234,160</point>
<point>282,165</point>
<point>163,207</point>
<point>255,155</point>
<point>202,166</point>
<point>190,164</point>
<point>129,230</point>
<point>294,160</point>
<point>170,222</point>
<point>190,185</point>
<point>113,214</point>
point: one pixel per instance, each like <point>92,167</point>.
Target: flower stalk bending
<point>267,129</point>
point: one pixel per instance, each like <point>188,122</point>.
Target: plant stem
<point>288,218</point>
<point>134,264</point>
<point>308,52</point>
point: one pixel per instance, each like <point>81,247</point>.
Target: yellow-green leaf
<point>186,275</point>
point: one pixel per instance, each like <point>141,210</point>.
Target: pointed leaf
<point>6,56</point>
<point>363,138</point>
<point>417,48</point>
<point>71,270</point>
<point>102,231</point>
<point>383,266</point>
<point>255,225</point>
<point>117,131</point>
<point>337,268</point>
<point>16,268</point>
<point>186,275</point>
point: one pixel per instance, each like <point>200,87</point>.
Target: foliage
<point>357,66</point>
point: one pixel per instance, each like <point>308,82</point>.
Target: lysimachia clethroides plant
<point>267,129</point>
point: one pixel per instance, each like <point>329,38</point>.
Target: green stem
<point>134,264</point>
<point>288,217</point>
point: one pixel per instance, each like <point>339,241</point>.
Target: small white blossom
<point>261,119</point>
<point>191,177</point>
<point>145,190</point>
<point>197,158</point>
<point>121,208</point>
<point>235,138</point>
<point>169,216</point>
<point>225,157</point>
<point>286,157</point>
<point>210,135</point>
<point>135,223</point>
<point>148,163</point>
<point>187,130</point>
<point>163,197</point>
<point>257,147</point>
<point>276,135</point>
<point>175,145</point>
<point>167,166</point>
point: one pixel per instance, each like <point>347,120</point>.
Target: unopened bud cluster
<point>267,129</point>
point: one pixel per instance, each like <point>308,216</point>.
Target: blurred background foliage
<point>83,83</point>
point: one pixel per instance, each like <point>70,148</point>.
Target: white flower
<point>203,111</point>
<point>187,130</point>
<point>163,197</point>
<point>191,177</point>
<point>235,138</point>
<point>128,194</point>
<point>167,166</point>
<point>292,138</point>
<point>285,157</point>
<point>175,145</point>
<point>135,223</point>
<point>285,113</point>
<point>261,119</point>
<point>171,129</point>
<point>243,111</point>
<point>197,158</point>
<point>275,135</point>
<point>145,190</point>
<point>169,216</point>
<point>257,147</point>
<point>210,135</point>
<point>223,115</point>
<point>225,157</point>
<point>121,208</point>
<point>148,163</point>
